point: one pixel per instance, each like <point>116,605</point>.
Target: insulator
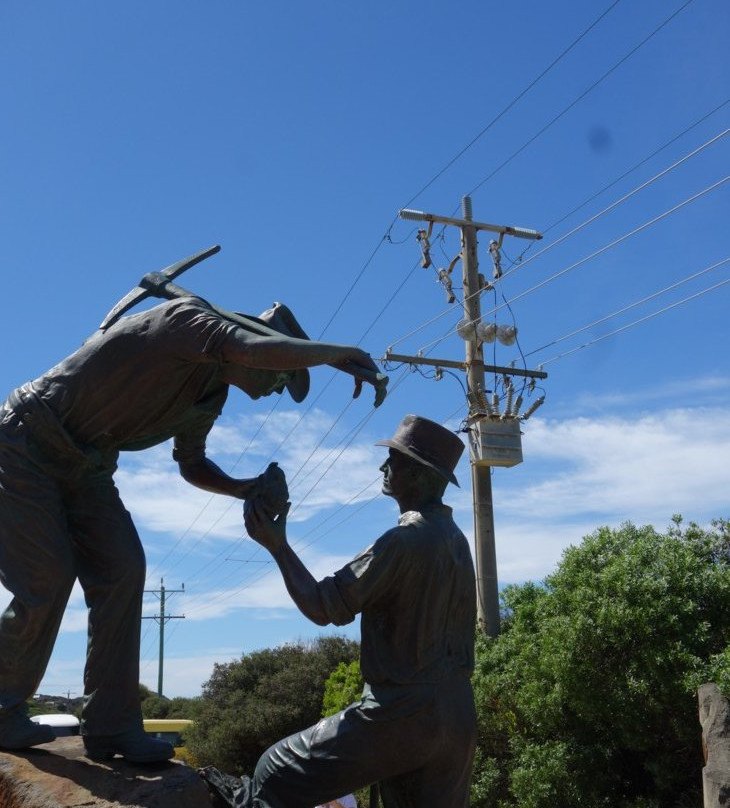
<point>516,408</point>
<point>415,215</point>
<point>482,398</point>
<point>508,402</point>
<point>467,330</point>
<point>535,404</point>
<point>506,334</point>
<point>495,404</point>
<point>524,232</point>
<point>466,207</point>
<point>487,332</point>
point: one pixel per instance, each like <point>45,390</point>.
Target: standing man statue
<point>414,729</point>
<point>160,374</point>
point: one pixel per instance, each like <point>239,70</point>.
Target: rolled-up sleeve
<point>364,580</point>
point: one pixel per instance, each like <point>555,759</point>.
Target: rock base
<point>715,720</point>
<point>58,775</point>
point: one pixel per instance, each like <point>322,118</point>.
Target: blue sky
<point>136,134</point>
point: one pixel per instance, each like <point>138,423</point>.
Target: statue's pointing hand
<point>361,366</point>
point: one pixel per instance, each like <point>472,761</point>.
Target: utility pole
<point>494,437</point>
<point>162,618</point>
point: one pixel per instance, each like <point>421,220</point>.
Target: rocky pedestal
<point>715,720</point>
<point>57,775</point>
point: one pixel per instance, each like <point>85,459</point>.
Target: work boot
<point>135,746</point>
<point>17,731</point>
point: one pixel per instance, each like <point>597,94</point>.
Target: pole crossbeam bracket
<point>450,363</point>
<point>502,229</point>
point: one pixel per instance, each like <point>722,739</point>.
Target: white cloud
<point>161,501</point>
<point>581,473</point>
<point>640,468</point>
<point>263,590</point>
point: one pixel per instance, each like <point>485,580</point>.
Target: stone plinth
<point>715,720</point>
<point>57,775</point>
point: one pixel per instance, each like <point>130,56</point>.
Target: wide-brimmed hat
<point>428,443</point>
<point>280,318</point>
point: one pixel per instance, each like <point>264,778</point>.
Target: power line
<point>626,173</point>
<point>210,499</point>
<point>453,160</point>
<point>580,97</point>
<point>578,228</point>
<point>620,239</point>
<point>636,322</point>
<point>511,103</point>
<point>630,306</point>
<point>254,577</point>
<point>515,100</point>
<point>601,250</point>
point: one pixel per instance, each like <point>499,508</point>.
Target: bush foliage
<point>588,696</point>
<point>343,688</point>
<point>251,703</point>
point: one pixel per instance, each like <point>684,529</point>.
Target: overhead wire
<point>598,252</point>
<point>603,249</point>
<point>441,171</point>
<point>580,97</point>
<point>637,322</point>
<point>259,574</point>
<point>460,153</point>
<point>254,578</point>
<point>512,103</point>
<point>369,260</point>
<point>608,246</point>
<point>208,502</point>
<point>633,168</point>
<point>625,197</point>
<point>630,306</point>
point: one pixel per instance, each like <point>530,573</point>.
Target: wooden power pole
<point>484,428</point>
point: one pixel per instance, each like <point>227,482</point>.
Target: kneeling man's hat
<point>428,443</point>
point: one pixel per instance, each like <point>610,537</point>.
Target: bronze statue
<point>414,729</point>
<point>138,381</point>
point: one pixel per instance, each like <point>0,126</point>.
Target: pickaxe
<point>159,284</point>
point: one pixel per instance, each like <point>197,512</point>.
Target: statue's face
<point>400,475</point>
<point>255,382</point>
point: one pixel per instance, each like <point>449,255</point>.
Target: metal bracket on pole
<point>507,230</point>
<point>450,363</point>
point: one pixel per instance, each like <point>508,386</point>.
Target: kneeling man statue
<point>414,729</point>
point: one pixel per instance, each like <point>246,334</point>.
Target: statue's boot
<point>17,731</point>
<point>135,746</point>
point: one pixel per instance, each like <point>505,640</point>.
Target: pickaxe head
<point>156,284</point>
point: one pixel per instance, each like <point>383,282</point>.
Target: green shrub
<point>588,697</point>
<point>251,703</point>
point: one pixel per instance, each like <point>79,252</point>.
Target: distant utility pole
<point>162,618</point>
<point>494,437</point>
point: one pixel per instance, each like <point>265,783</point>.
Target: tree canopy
<point>588,697</point>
